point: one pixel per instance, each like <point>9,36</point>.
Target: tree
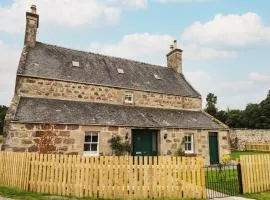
<point>222,116</point>
<point>3,111</point>
<point>211,101</point>
<point>254,116</point>
<point>234,119</point>
<point>251,116</point>
<point>265,113</point>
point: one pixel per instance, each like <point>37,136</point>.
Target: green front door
<point>144,142</point>
<point>213,148</point>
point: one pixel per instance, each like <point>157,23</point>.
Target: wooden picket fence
<point>104,176</point>
<point>255,173</point>
<point>257,147</point>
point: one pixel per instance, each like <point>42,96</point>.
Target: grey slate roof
<point>48,61</point>
<point>35,110</point>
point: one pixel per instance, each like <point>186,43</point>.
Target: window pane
<point>185,138</point>
<point>86,147</point>
<point>186,146</point>
<point>189,146</point>
<point>94,138</point>
<point>93,147</point>
<point>87,138</point>
<point>189,138</point>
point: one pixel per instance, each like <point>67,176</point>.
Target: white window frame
<point>91,153</point>
<point>191,142</point>
<point>128,95</point>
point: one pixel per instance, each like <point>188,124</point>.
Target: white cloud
<point>142,46</point>
<point>130,3</point>
<point>229,31</point>
<point>196,52</point>
<point>9,60</point>
<point>153,48</point>
<point>67,13</point>
<point>233,94</point>
<point>255,76</point>
<point>184,1</point>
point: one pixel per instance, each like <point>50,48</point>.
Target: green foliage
<point>3,110</point>
<point>254,116</point>
<point>179,152</point>
<point>211,101</point>
<point>118,147</point>
<point>15,193</point>
<point>236,154</point>
<point>234,119</point>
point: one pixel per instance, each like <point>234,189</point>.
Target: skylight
<point>120,71</point>
<point>75,63</point>
<point>157,77</point>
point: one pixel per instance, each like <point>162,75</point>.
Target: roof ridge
<point>108,56</point>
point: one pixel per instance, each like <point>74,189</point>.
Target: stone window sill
<point>190,154</point>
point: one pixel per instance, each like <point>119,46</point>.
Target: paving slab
<point>232,198</point>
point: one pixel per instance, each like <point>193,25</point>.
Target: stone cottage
<point>82,99</point>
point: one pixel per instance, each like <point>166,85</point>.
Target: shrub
<point>118,147</point>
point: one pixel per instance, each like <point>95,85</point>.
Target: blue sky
<point>226,43</point>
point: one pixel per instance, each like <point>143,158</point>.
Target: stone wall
<point>201,144</point>
<point>248,135</point>
<point>69,139</point>
<point>43,88</point>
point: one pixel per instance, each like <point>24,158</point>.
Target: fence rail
<point>105,177</point>
<point>255,173</point>
<point>257,147</point>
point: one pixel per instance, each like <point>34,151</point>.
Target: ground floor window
<point>91,144</point>
<point>189,144</point>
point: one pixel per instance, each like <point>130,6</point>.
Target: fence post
<point>239,174</point>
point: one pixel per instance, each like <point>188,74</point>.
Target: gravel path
<point>3,198</point>
<point>232,198</point>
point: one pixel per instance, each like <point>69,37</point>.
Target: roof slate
<point>53,62</point>
<point>36,110</point>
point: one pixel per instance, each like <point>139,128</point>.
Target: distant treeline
<point>254,116</point>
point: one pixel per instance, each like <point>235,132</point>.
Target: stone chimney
<point>174,58</point>
<point>32,20</point>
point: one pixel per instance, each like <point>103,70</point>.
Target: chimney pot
<point>175,44</point>
<point>34,9</point>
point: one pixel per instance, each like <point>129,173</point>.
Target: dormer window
<point>120,71</point>
<point>75,64</point>
<point>157,77</point>
<point>128,98</point>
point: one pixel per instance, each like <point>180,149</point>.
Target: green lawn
<point>236,154</point>
<point>19,194</point>
<point>224,181</point>
<point>258,196</point>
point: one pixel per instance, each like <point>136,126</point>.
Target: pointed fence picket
<point>104,176</point>
<point>255,170</point>
<point>257,147</point>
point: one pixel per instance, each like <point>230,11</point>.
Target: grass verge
<point>14,193</point>
<point>236,154</point>
<point>258,196</point>
<point>224,181</point>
